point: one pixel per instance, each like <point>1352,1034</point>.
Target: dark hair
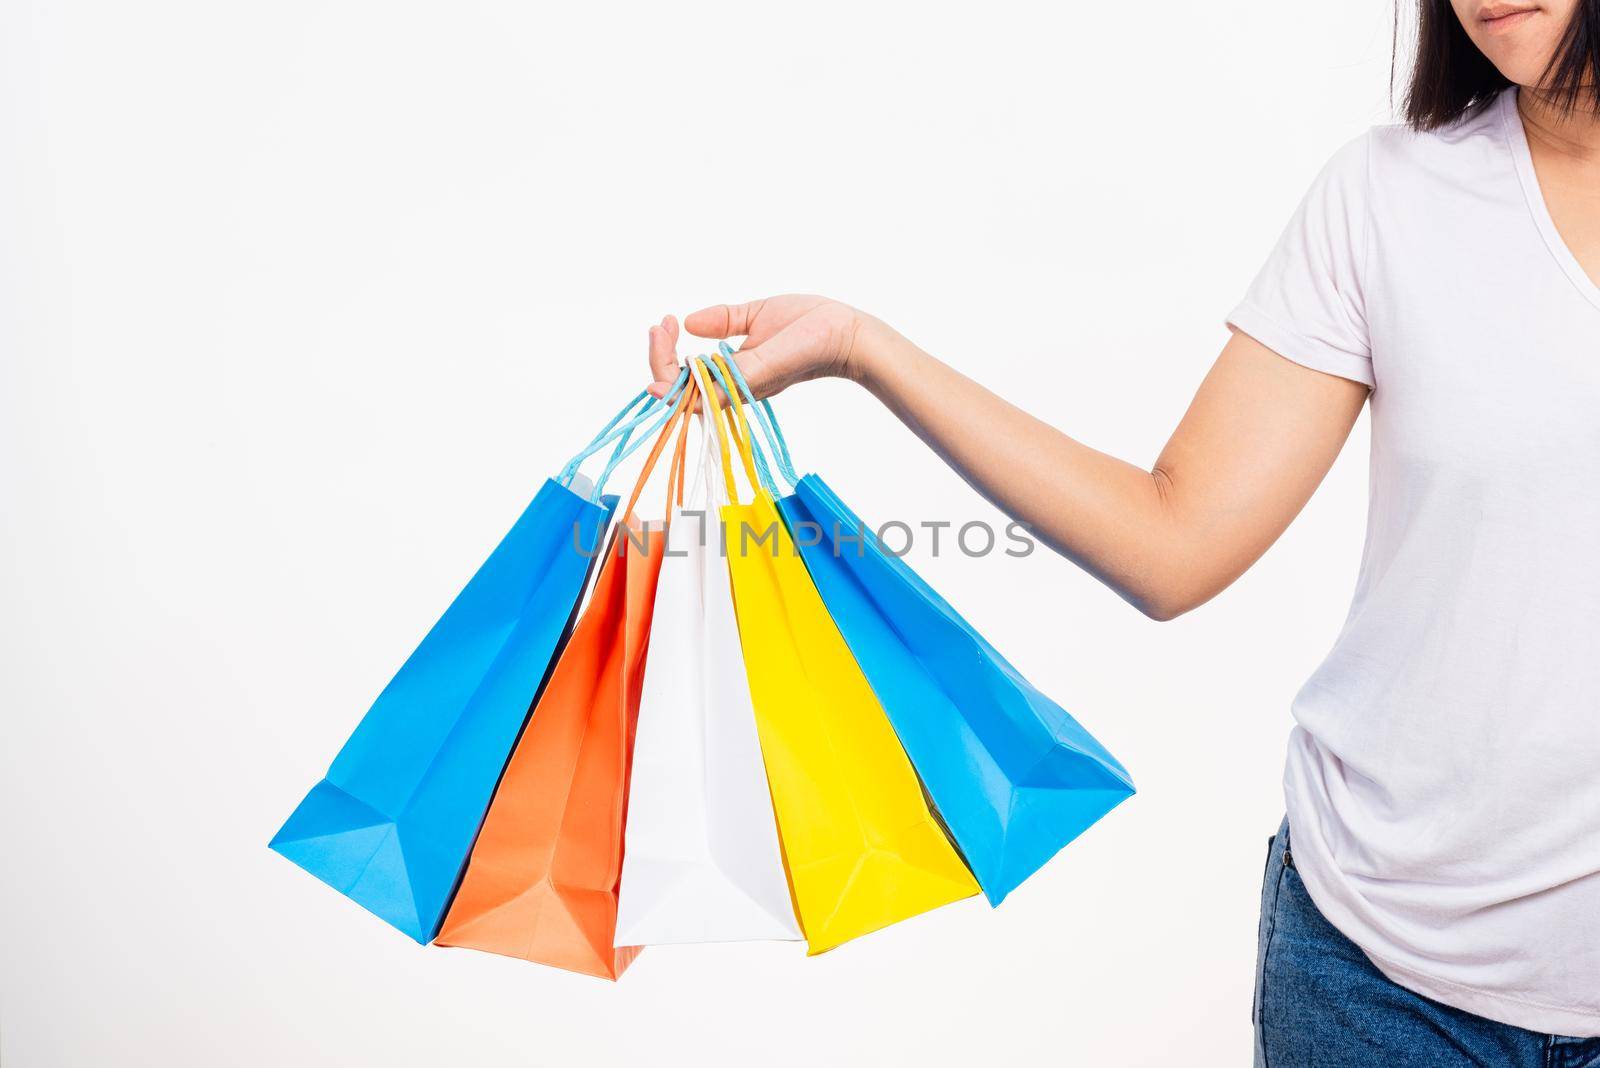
<point>1451,77</point>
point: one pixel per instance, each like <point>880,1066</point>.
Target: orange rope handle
<point>679,414</point>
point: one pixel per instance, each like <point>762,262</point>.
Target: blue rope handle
<point>605,435</point>
<point>621,431</point>
<point>755,446</point>
<point>765,416</point>
<point>670,401</point>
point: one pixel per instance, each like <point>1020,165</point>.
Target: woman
<point>1440,903</point>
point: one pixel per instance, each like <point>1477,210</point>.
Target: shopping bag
<point>391,823</point>
<point>541,882</point>
<point>702,861</point>
<point>862,848</point>
<point>1012,774</point>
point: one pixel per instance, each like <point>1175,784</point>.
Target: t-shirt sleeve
<point>1307,303</point>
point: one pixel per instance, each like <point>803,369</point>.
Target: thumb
<point>723,320</point>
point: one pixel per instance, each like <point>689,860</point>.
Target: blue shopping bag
<point>1014,777</point>
<point>391,824</point>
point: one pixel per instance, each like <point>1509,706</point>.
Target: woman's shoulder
<point>1396,158</point>
<point>1397,154</point>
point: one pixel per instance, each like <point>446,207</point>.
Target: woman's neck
<point>1565,151</point>
<point>1574,134</point>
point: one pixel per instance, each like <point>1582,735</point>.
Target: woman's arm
<point>1256,441</point>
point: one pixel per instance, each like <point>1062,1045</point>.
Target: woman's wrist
<point>874,348</point>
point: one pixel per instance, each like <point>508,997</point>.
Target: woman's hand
<point>788,339</point>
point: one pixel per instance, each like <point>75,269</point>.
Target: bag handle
<point>571,467</point>
<point>622,453</point>
<point>739,430</point>
<point>678,414</point>
<point>620,430</point>
<point>675,473</point>
<point>703,491</point>
<point>729,420</point>
<point>713,418</point>
<point>766,416</point>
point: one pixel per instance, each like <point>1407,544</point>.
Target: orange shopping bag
<point>541,882</point>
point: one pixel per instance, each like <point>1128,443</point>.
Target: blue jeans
<point>1320,1001</point>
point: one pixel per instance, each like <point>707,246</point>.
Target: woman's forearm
<point>1103,513</point>
<point>1258,439</point>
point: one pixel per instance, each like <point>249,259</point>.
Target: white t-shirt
<point>1443,779</point>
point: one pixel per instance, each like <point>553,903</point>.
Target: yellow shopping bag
<point>861,846</point>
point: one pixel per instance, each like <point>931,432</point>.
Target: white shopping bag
<point>700,857</point>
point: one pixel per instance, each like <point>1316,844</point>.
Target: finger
<point>723,320</point>
<point>663,354</point>
<point>670,325</point>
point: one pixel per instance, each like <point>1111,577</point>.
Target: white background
<point>299,304</point>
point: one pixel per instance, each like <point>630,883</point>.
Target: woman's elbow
<point>1160,609</point>
<point>1165,611</point>
<point>1164,600</point>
